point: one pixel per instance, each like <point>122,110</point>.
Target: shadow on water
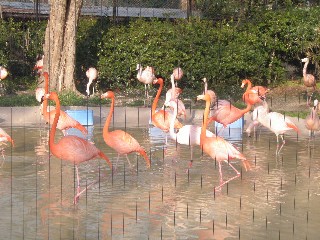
<point>277,198</point>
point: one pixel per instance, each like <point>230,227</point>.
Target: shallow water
<point>277,199</point>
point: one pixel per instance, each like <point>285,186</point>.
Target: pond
<point>277,199</point>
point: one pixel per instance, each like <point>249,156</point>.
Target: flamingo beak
<point>242,85</point>
<point>42,99</point>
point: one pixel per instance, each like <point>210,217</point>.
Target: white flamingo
<point>188,134</point>
<point>275,122</point>
<point>308,79</point>
<point>145,76</point>
<point>172,95</point>
<point>91,74</point>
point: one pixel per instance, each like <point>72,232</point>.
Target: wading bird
<point>145,76</point>
<point>91,74</point>
<point>122,142</point>
<point>71,148</point>
<point>312,121</point>
<point>65,121</point>
<point>275,122</point>
<point>308,79</point>
<point>218,148</point>
<point>253,95</point>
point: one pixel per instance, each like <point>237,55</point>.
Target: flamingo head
<point>244,82</point>
<point>177,73</point>
<point>139,66</point>
<point>39,64</point>
<point>315,103</point>
<point>40,92</point>
<point>158,80</point>
<point>108,94</point>
<point>92,73</point>
<point>3,73</point>
<point>204,80</point>
<point>205,97</point>
<point>305,59</point>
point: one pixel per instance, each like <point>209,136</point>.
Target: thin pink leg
<point>230,179</point>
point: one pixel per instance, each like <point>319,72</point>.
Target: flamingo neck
<point>205,87</point>
<point>156,99</point>
<point>247,109</point>
<point>54,125</point>
<point>173,88</point>
<point>46,91</point>
<point>204,123</point>
<point>304,71</point>
<point>108,120</point>
<point>249,85</point>
<point>171,129</point>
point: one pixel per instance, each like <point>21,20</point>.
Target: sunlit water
<point>277,199</point>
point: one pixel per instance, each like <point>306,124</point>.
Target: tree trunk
<point>60,43</point>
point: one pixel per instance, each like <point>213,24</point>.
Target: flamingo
<point>91,74</point>
<point>3,73</point>
<point>161,119</point>
<point>253,95</point>
<point>39,64</point>
<point>172,95</point>
<point>188,134</point>
<point>308,79</point>
<point>275,122</point>
<point>72,148</point>
<point>65,121</point>
<point>218,148</point>
<point>121,141</point>
<point>145,76</point>
<point>225,113</point>
<point>212,94</point>
<point>312,121</point>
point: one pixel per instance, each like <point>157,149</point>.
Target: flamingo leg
<point>222,183</point>
<point>76,198</point>
<point>128,161</point>
<point>2,153</point>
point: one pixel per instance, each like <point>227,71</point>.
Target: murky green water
<point>277,199</point>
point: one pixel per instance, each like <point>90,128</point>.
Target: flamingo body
<point>3,73</point>
<point>65,121</point>
<point>225,113</point>
<point>91,74</point>
<point>5,137</point>
<point>312,121</point>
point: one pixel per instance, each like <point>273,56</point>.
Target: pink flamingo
<point>218,148</point>
<point>91,74</point>
<point>308,79</point>
<point>253,95</point>
<point>65,121</point>
<point>3,73</point>
<point>225,113</point>
<point>275,122</point>
<point>145,76</point>
<point>161,119</point>
<point>312,121</point>
<point>121,141</point>
<point>5,137</point>
<point>72,148</point>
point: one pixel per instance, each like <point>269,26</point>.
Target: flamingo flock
<point>168,119</point>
